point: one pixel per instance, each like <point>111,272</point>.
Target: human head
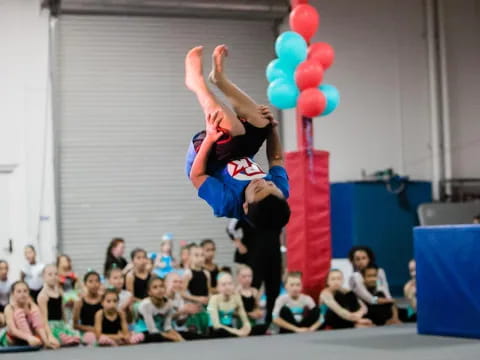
<point>139,258</point>
<point>91,279</point>
<point>370,276</point>
<point>209,248</point>
<point>335,280</point>
<point>166,246</point>
<point>50,275</point>
<point>156,288</point>
<point>30,254</point>
<point>185,255</point>
<point>269,212</point>
<point>412,268</point>
<point>3,269</point>
<point>361,257</point>
<point>476,219</point>
<point>116,248</point>
<point>197,257</point>
<point>64,263</point>
<point>174,282</point>
<point>110,299</point>
<point>19,292</point>
<point>245,276</point>
<point>115,278</point>
<point>293,284</point>
<point>225,284</point>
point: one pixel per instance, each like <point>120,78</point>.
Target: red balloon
<point>311,102</point>
<point>308,74</point>
<point>304,19</point>
<point>323,53</point>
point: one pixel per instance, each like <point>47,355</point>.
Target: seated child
<point>50,304</point>
<point>156,313</point>
<point>250,298</point>
<point>111,328</point>
<point>294,311</point>
<point>227,314</point>
<point>24,320</point>
<point>86,307</point>
<point>384,312</point>
<point>209,248</point>
<point>197,290</point>
<point>164,262</point>
<point>137,279</point>
<point>182,309</point>
<point>5,285</point>
<point>32,272</point>
<point>410,292</point>
<point>344,308</point>
<point>219,160</point>
<point>125,297</point>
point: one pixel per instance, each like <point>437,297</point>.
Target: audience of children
<point>183,305</point>
<point>32,272</point>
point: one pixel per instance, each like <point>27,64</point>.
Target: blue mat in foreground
<point>448,280</point>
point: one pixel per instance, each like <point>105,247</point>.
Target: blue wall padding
<point>366,213</point>
<point>448,280</point>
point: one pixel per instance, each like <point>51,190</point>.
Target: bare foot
<point>218,56</point>
<point>194,68</point>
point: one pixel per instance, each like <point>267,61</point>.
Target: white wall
<point>381,72</point>
<point>25,123</point>
<point>462,25</point>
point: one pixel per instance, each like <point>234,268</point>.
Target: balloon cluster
<point>296,76</point>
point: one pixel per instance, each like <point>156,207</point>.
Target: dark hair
<point>477,218</point>
<point>226,269</point>
<point>207,241</point>
<point>14,285</point>
<point>369,267</point>
<point>136,251</point>
<point>110,290</point>
<point>4,262</point>
<point>365,249</point>
<point>113,243</point>
<point>152,280</point>
<point>31,247</point>
<point>89,273</point>
<point>66,257</point>
<point>269,213</point>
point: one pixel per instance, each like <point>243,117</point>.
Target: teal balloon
<point>333,98</point>
<point>291,48</point>
<point>283,94</point>
<point>278,69</point>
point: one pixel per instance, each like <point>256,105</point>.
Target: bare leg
<point>195,81</point>
<point>243,104</point>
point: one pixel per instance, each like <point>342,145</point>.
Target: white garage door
<point>124,120</point>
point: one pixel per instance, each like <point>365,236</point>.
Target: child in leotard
<point>164,262</point>
<point>137,279</point>
<point>86,307</point>
<point>111,326</point>
<point>24,320</point>
<point>32,272</point>
<point>345,310</point>
<point>197,290</point>
<point>125,297</point>
<point>156,313</point>
<point>250,298</point>
<point>227,314</point>
<point>219,160</point>
<point>50,304</point>
<point>209,248</point>
<point>294,311</point>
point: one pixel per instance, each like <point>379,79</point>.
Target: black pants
<point>220,333</point>
<point>259,330</point>
<point>310,317</point>
<point>265,259</point>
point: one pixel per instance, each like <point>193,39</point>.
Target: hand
<point>356,316</point>
<point>267,114</point>
<point>203,300</point>
<point>243,332</point>
<point>302,330</point>
<point>34,341</point>
<point>52,343</point>
<point>126,338</point>
<point>256,314</point>
<point>242,249</point>
<point>213,123</point>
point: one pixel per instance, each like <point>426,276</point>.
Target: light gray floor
<point>380,343</point>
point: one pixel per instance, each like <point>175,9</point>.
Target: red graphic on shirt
<point>247,167</point>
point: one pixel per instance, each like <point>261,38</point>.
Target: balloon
<point>291,48</point>
<point>278,69</point>
<point>304,19</point>
<point>283,94</point>
<point>323,53</point>
<point>333,98</point>
<point>308,74</point>
<point>311,102</point>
